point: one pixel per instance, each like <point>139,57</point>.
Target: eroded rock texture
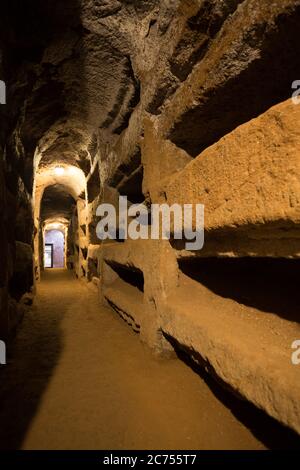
<point>178,101</point>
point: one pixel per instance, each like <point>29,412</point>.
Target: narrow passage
<point>79,378</point>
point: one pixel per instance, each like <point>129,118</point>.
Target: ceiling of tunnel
<point>64,143</point>
<point>74,72</point>
<point>57,203</point>
<point>71,178</point>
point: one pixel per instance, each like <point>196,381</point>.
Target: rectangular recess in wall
<point>93,184</point>
<point>266,284</point>
<point>125,293</point>
<point>132,186</point>
<point>125,169</point>
<point>239,317</point>
<point>129,274</point>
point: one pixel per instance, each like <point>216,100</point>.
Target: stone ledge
<point>247,349</point>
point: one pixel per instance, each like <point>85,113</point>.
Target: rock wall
<point>215,125</point>
<point>16,220</point>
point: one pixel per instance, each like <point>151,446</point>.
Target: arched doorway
<point>54,249</point>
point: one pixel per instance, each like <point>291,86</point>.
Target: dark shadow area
<point>195,41</point>
<point>128,178</point>
<point>124,316</point>
<point>93,185</point>
<point>267,284</point>
<point>131,275</point>
<point>264,83</point>
<point>92,268</point>
<point>132,186</point>
<point>134,100</point>
<point>126,169</point>
<point>32,359</point>
<point>20,283</point>
<point>269,431</point>
<point>26,30</point>
<point>57,202</point>
<point>84,252</point>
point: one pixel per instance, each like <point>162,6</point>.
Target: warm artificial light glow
<point>54,226</point>
<point>73,170</point>
<point>59,170</point>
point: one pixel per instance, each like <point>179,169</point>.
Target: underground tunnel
<point>126,340</point>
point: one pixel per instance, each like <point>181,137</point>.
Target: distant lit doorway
<point>54,249</point>
<point>48,255</point>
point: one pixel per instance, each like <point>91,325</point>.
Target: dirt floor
<point>79,378</point>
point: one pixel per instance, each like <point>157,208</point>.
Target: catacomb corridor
<point>142,343</point>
